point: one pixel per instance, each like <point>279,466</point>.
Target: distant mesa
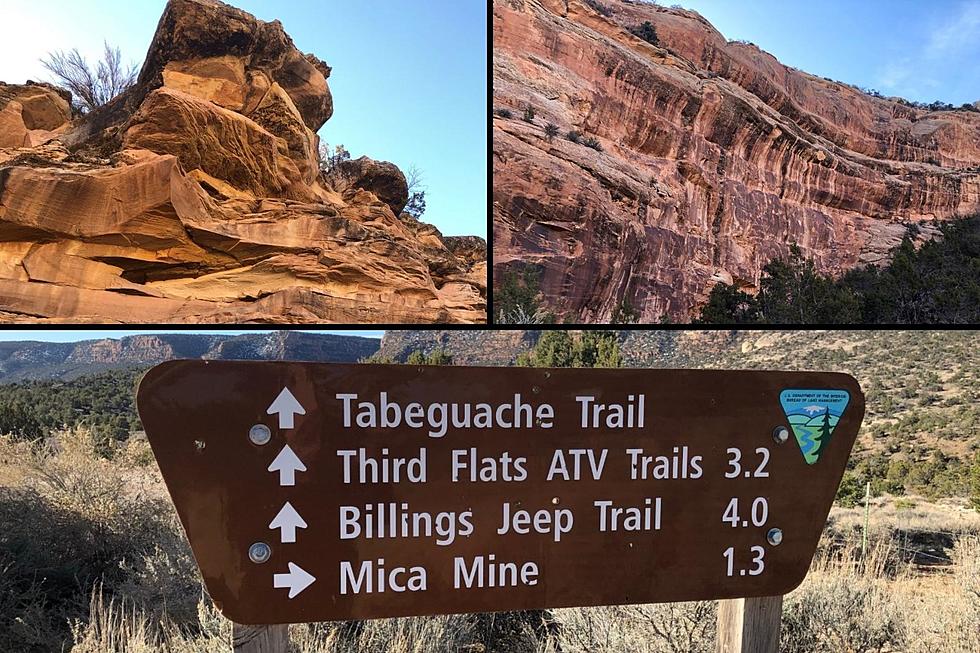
<point>25,361</point>
<point>197,197</point>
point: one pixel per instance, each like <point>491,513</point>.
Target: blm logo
<point>813,415</point>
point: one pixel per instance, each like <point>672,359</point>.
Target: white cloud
<point>939,65</point>
<point>895,74</point>
<point>961,33</point>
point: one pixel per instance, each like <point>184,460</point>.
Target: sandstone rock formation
<point>714,158</point>
<point>197,196</point>
<point>383,179</point>
<point>32,115</point>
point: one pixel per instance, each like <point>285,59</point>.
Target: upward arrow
<point>287,463</point>
<point>286,406</point>
<point>288,520</point>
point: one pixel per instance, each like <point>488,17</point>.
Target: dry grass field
<point>92,560</point>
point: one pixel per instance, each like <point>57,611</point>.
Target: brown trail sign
<point>314,492</point>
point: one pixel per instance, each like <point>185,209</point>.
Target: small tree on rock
<point>416,193</point>
<point>647,32</point>
<point>330,159</point>
<point>90,88</point>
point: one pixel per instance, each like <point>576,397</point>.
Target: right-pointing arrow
<point>288,520</point>
<point>287,463</point>
<point>296,580</point>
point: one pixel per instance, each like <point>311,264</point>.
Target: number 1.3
<point>757,560</point>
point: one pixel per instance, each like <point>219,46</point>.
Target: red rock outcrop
<point>712,159</point>
<point>383,179</point>
<point>197,196</point>
<point>32,115</point>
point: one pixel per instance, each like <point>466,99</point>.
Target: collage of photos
<point>504,326</point>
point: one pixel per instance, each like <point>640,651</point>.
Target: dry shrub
<point>115,627</point>
<point>840,614</point>
<point>410,635</point>
<point>123,627</point>
<point>74,523</point>
<point>658,628</point>
<point>944,612</point>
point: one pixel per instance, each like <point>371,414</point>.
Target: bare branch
<point>91,89</point>
<point>416,180</point>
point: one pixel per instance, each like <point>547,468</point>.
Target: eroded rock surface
<point>32,115</point>
<point>380,177</point>
<point>197,197</point>
<point>714,159</point>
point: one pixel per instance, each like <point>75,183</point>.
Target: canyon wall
<point>197,197</point>
<point>710,159</point>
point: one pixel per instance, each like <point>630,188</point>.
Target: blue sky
<point>84,334</point>
<point>922,50</point>
<point>409,77</point>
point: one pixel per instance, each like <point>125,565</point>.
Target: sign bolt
<point>260,434</point>
<point>780,434</point>
<point>774,536</point>
<point>259,552</point>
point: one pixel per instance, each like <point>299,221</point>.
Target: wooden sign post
<point>320,492</point>
<point>260,639</point>
<point>749,625</point>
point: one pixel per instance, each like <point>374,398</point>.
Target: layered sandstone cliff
<point>197,196</point>
<point>712,159</point>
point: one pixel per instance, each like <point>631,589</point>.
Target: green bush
<point>438,357</point>
<point>647,32</point>
<point>937,284</point>
<point>591,349</point>
<point>851,491</point>
<point>103,402</point>
<point>517,292</point>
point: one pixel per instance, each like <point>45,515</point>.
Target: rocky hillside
<point>465,347</point>
<point>20,361</point>
<point>696,160</point>
<point>197,197</point>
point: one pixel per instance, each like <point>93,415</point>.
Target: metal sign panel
<point>315,492</point>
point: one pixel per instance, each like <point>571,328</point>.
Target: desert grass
<point>93,560</point>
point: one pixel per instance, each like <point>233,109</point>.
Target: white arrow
<point>288,520</point>
<point>286,406</point>
<point>287,463</point>
<point>296,580</point>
